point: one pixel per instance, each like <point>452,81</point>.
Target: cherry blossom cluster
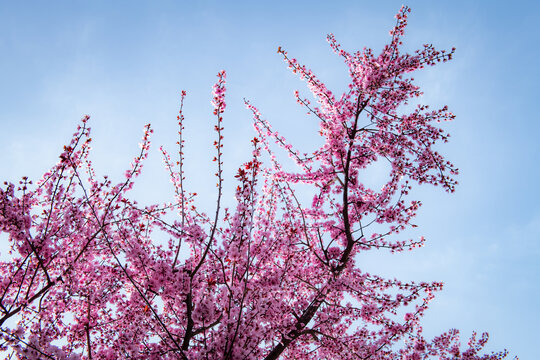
<point>275,276</point>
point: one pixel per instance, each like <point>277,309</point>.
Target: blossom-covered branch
<point>274,276</point>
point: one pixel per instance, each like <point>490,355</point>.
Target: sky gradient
<point>124,64</point>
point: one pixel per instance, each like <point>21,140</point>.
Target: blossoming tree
<point>273,277</point>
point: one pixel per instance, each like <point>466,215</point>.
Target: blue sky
<point>125,62</point>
